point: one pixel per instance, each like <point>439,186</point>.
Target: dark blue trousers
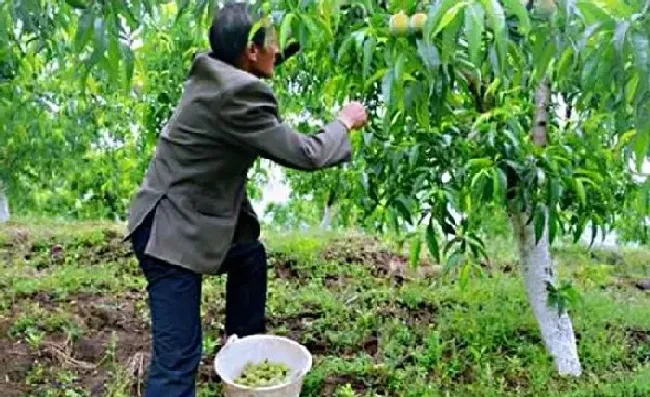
<point>175,303</point>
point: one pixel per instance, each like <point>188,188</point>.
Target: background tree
<point>85,88</point>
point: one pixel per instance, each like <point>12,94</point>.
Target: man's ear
<point>252,52</point>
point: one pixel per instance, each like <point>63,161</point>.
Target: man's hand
<point>353,115</point>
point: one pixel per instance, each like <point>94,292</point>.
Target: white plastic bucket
<point>236,353</point>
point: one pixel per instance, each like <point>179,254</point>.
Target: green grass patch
<point>372,333</point>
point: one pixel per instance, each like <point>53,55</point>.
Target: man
<point>191,216</point>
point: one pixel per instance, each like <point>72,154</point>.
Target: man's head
<point>229,41</point>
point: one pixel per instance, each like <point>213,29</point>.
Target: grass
<point>77,324</point>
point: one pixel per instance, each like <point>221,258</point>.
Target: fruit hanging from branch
<point>399,24</point>
<point>418,21</point>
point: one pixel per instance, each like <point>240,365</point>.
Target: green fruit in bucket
<point>264,374</point>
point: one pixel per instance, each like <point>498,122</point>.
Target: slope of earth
<point>74,320</point>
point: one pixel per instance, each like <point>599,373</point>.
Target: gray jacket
<point>226,119</point>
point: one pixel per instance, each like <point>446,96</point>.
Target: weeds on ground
<point>77,325</point>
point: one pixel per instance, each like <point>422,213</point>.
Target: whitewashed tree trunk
<point>537,266</point>
<point>538,270</point>
<point>330,211</point>
<point>328,216</point>
<point>4,207</point>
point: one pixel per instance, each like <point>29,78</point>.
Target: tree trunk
<point>538,269</point>
<point>330,211</point>
<point>328,215</point>
<point>4,207</point>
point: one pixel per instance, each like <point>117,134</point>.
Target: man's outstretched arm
<point>250,117</point>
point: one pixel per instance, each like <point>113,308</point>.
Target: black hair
<point>229,32</point>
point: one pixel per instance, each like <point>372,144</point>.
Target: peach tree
<point>540,108</point>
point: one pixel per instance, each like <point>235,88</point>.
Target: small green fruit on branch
<point>399,24</point>
<point>418,21</point>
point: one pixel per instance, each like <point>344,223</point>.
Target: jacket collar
<point>207,66</point>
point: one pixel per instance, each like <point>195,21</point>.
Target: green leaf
<point>399,67</point>
<point>641,141</point>
<point>422,110</point>
<point>308,21</point>
<point>454,260</point>
<point>114,56</point>
<point>641,145</point>
<point>478,247</point>
<point>285,30</point>
<point>432,242</point>
<point>587,35</point>
<point>447,228</point>
<point>543,60</point>
<point>488,188</point>
<point>463,278</point>
<point>436,11</point>
<point>129,63</point>
<point>414,156</point>
<point>76,3</point>
<point>182,7</point>
<point>480,163</point>
<point>99,41</point>
<point>402,206</point>
<point>429,54</point>
<point>594,232</point>
<point>554,191</point>
<point>84,30</point>
<point>261,23</point>
<point>450,40</point>
<point>387,87</point>
<point>368,50</point>
<point>359,38</point>
<point>474,27</point>
<point>565,64</point>
<point>478,181</point>
<point>498,21</point>
<point>500,184</point>
<point>199,9</point>
<point>449,16</point>
<point>553,223</point>
<point>540,221</point>
<point>580,191</point>
<point>393,221</point>
<point>416,248</point>
<point>642,63</point>
<point>580,228</point>
<point>517,8</point>
<point>593,12</point>
<point>619,35</point>
<point>345,47</point>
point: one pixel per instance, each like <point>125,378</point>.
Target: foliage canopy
<point>452,106</point>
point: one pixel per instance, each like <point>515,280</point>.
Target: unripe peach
<point>418,21</point>
<point>399,23</point>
